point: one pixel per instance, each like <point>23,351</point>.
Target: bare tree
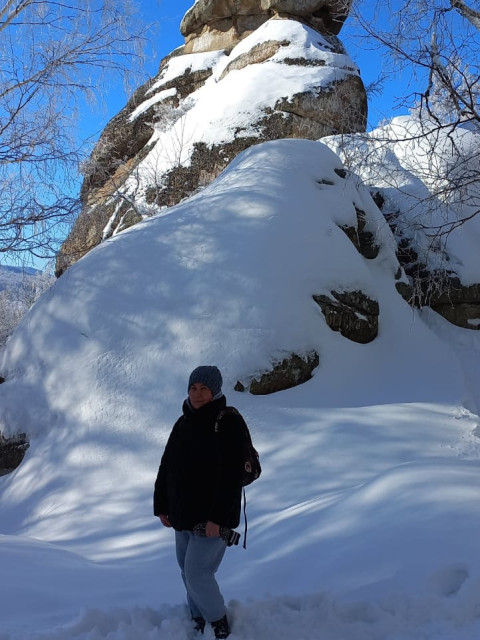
<point>16,298</point>
<point>54,58</point>
<point>438,43</point>
<point>435,43</point>
<point>435,46</point>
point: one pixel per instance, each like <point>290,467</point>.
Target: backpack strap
<point>224,412</point>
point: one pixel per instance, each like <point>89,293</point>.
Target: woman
<point>200,481</point>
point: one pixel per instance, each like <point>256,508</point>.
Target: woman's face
<point>199,395</point>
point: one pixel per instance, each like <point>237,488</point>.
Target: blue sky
<point>165,17</point>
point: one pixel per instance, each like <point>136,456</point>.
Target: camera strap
<point>222,413</point>
<point>245,528</point>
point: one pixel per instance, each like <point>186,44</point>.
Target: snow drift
<point>368,498</point>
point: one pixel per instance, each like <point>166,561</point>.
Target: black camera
<point>230,536</point>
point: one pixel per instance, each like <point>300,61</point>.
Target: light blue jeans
<point>199,559</point>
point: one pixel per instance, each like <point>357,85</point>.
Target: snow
<point>177,66</point>
<point>158,97</point>
<point>408,161</point>
<point>364,523</point>
<point>296,40</point>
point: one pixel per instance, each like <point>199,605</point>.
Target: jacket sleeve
<point>230,454</point>
<point>160,494</point>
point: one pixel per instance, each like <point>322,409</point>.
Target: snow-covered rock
<point>424,178</point>
<point>179,131</point>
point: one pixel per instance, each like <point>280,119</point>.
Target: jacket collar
<point>207,413</point>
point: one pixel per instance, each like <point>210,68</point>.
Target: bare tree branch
<point>53,56</point>
<point>466,12</point>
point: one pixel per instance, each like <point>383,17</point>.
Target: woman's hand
<point>212,530</point>
<point>164,519</point>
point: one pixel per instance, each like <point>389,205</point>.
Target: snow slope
<point>364,522</point>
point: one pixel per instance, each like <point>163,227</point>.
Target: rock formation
<point>249,71</point>
<point>221,24</point>
<point>352,313</point>
<point>440,289</point>
<point>289,372</point>
<point>12,452</point>
<point>435,250</point>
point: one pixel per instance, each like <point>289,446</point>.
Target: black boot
<point>199,624</point>
<point>221,628</point>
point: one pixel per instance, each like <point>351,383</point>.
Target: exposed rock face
<point>441,290</point>
<point>183,127</point>
<point>221,24</point>
<point>426,220</point>
<point>363,240</point>
<point>352,313</point>
<point>286,374</point>
<point>12,452</point>
<point>457,303</point>
<point>122,145</point>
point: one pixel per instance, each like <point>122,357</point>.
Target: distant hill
<point>12,276</point>
<point>20,287</point>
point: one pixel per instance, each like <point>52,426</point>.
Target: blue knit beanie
<point>210,376</point>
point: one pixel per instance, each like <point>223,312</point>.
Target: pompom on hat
<point>210,376</point>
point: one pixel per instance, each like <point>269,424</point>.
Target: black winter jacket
<point>200,474</point>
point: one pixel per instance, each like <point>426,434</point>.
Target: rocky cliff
<point>249,71</point>
<point>221,24</point>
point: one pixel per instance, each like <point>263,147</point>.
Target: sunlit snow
<point>364,524</point>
